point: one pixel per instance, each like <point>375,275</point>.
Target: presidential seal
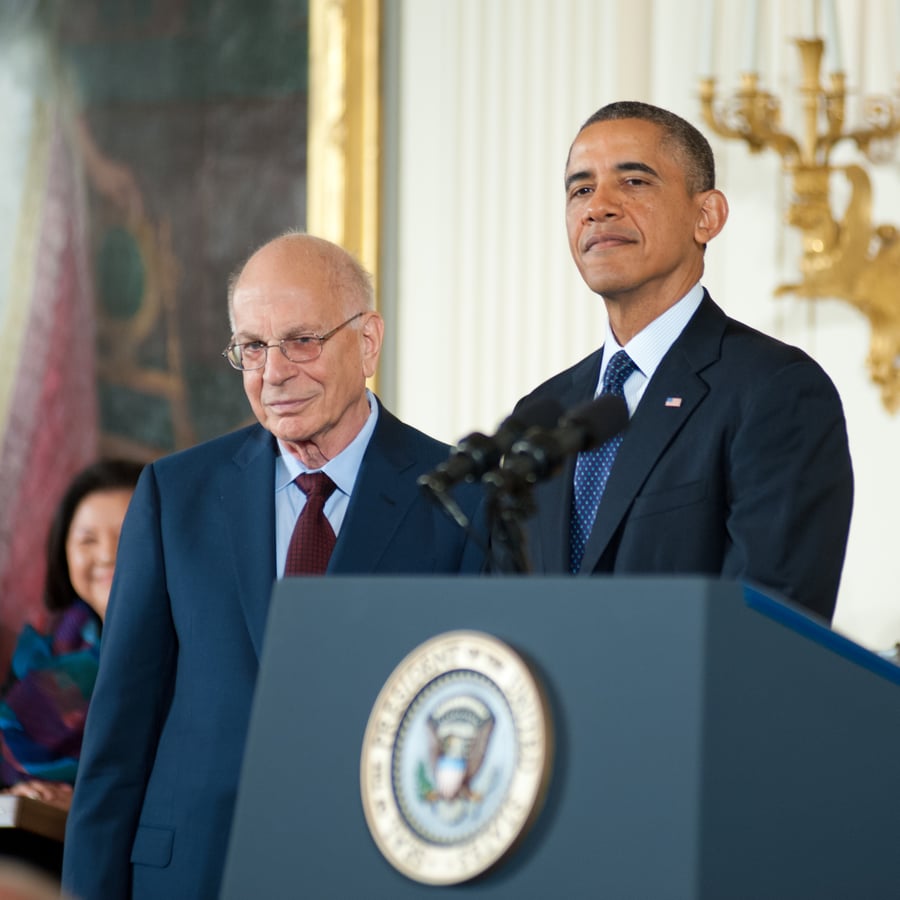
<point>456,758</point>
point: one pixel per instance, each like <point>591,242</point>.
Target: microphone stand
<point>510,501</point>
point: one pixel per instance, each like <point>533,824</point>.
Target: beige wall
<point>484,97</point>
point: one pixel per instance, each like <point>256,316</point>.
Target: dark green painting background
<point>205,102</point>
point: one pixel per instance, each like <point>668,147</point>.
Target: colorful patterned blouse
<point>44,705</point>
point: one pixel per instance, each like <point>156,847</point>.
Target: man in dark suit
<point>208,532</point>
<point>735,461</point>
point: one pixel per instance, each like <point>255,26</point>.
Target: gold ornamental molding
<point>344,128</point>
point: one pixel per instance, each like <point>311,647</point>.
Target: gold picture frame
<point>344,128</point>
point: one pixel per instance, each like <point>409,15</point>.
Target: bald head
<point>297,256</point>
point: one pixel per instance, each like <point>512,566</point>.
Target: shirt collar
<point>650,345</point>
<point>343,469</point>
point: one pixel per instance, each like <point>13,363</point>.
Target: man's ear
<point>712,215</point>
<point>371,335</point>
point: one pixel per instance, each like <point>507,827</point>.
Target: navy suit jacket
<point>735,463</point>
<point>181,645</point>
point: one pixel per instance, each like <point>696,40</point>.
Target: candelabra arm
<point>864,137</point>
<point>752,116</point>
<point>783,144</point>
<point>717,124</point>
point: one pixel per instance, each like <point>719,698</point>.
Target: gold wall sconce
<point>846,257</point>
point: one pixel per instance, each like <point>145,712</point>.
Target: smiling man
<point>735,462</point>
<point>326,482</point>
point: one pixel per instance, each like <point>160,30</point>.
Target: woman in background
<point>44,704</point>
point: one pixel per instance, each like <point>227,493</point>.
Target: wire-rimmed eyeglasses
<point>298,349</point>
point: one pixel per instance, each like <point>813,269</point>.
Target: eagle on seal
<point>460,729</point>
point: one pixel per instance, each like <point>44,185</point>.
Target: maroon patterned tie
<point>313,538</point>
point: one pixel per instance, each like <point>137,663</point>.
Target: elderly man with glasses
<point>326,482</point>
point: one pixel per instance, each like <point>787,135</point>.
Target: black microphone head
<point>477,453</point>
<point>596,422</point>
<point>480,453</point>
<point>544,412</point>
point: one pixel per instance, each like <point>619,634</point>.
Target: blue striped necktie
<point>592,467</point>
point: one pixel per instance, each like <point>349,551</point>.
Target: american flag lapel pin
<point>674,402</point>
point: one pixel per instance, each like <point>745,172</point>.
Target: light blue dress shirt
<point>648,347</point>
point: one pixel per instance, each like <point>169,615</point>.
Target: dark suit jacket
<point>181,645</point>
<point>744,474</point>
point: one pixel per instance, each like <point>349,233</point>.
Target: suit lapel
<point>247,498</point>
<point>655,424</point>
<point>381,498</point>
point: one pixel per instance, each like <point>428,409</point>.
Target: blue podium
<point>711,742</point>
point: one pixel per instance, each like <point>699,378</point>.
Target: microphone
<point>477,454</point>
<point>540,453</point>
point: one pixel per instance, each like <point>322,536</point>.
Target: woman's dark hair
<point>104,475</point>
